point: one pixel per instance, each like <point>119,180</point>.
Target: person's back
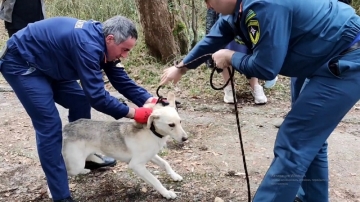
<point>305,34</point>
<point>34,42</point>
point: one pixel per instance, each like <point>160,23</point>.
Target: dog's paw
<point>169,194</point>
<point>176,177</point>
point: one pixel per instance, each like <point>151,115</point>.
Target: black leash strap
<point>163,101</point>
<point>231,80</point>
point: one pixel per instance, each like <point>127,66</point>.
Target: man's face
<point>117,51</point>
<point>225,7</point>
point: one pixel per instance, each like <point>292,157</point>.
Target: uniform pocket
<point>349,62</point>
<point>329,69</point>
<point>344,66</point>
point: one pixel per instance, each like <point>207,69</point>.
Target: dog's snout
<point>184,139</point>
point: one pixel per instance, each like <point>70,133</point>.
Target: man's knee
<point>294,150</point>
<point>48,130</point>
<point>321,159</point>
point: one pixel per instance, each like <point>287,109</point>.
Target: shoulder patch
<point>254,31</point>
<point>79,24</point>
<point>251,14</point>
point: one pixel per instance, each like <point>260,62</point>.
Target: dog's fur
<point>128,142</point>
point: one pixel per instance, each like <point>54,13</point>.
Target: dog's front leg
<point>166,166</point>
<point>143,173</point>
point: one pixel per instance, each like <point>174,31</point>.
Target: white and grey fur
<point>128,142</point>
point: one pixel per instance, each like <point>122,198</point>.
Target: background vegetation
<point>167,31</point>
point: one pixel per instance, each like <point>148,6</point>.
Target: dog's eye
<point>172,124</point>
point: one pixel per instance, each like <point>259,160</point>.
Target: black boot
<point>65,200</point>
<point>108,162</point>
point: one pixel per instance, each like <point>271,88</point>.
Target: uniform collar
<point>104,58</point>
<point>105,52</point>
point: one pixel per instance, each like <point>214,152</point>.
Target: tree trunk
<point>157,24</point>
<point>194,22</point>
<point>180,27</point>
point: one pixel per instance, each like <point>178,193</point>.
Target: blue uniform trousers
<point>297,85</point>
<point>38,94</point>
<point>301,140</point>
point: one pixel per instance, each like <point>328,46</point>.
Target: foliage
<point>142,67</point>
<point>101,10</point>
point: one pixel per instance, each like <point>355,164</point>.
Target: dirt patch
<point>210,161</point>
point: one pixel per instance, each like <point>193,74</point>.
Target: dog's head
<point>165,120</point>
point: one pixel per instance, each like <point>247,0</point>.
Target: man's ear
<point>151,118</point>
<point>109,38</point>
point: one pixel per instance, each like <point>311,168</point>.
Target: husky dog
<point>129,142</point>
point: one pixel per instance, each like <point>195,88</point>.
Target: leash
<point>231,81</point>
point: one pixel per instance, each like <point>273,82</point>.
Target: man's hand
<point>172,74</point>
<point>222,58</point>
<point>142,114</point>
<point>151,100</point>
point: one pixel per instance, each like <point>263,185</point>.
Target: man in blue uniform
<point>42,63</point>
<point>318,40</point>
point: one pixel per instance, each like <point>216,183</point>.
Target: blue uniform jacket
<point>66,48</point>
<point>287,37</point>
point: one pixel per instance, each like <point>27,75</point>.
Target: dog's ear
<point>151,118</point>
<point>171,99</point>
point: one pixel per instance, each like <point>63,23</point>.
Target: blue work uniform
<point>307,39</point>
<point>43,62</point>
